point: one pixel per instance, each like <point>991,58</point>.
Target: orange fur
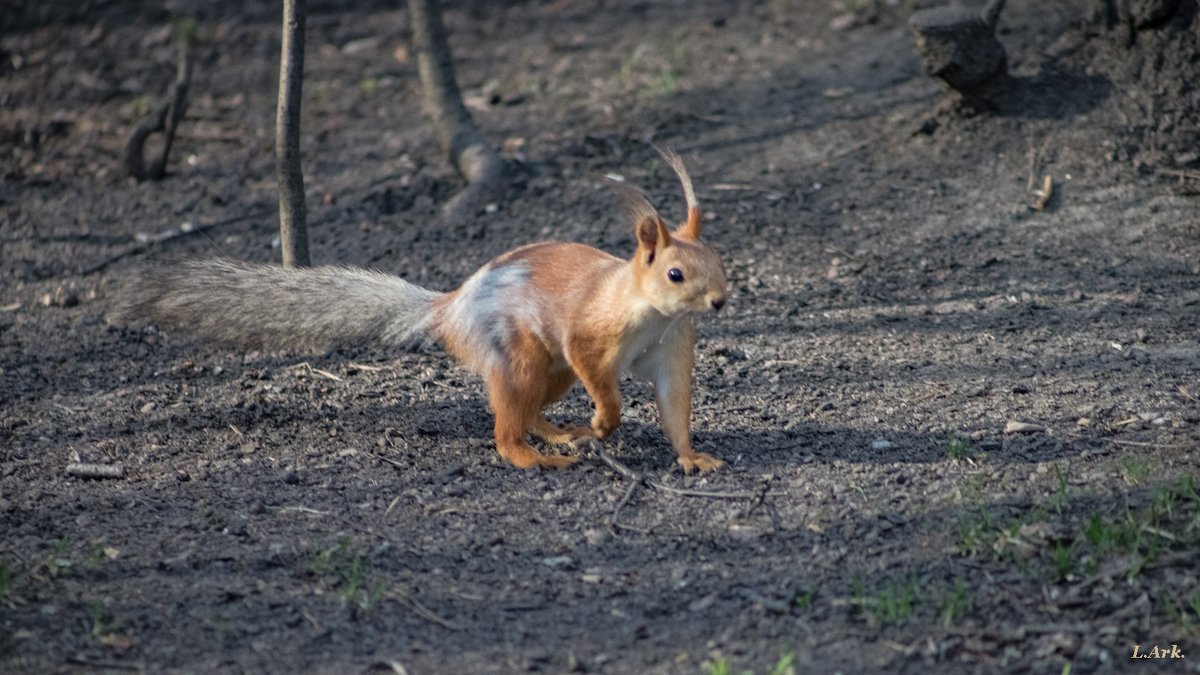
<point>539,317</point>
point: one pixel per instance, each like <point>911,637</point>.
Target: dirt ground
<point>960,433</point>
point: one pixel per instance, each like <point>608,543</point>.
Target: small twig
<point>683,492</point>
<point>616,516</point>
<point>326,374</point>
<point>742,187</point>
<point>315,371</point>
<point>1148,444</point>
<point>144,242</point>
<point>1180,173</point>
<point>423,611</point>
<point>389,460</point>
<point>361,528</point>
<point>758,501</point>
<point>1043,195</point>
<point>82,470</point>
<point>110,665</point>
<point>311,619</point>
<point>1032,153</point>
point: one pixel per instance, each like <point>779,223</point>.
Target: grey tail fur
<point>273,307</point>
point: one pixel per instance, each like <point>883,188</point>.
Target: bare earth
<point>898,312</point>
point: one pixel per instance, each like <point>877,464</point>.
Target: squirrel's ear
<point>652,237</point>
<point>651,231</point>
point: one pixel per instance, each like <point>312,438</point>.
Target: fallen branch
<point>81,470</point>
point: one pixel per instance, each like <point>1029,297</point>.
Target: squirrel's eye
<point>675,275</point>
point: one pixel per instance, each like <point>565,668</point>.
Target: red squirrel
<point>530,322</point>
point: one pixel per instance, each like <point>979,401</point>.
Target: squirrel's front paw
<point>699,460</point>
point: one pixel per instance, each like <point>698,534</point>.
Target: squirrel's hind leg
<point>557,384</point>
<point>517,391</point>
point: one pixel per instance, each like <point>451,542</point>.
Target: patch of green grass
<point>957,447</point>
<point>101,617</point>
<point>976,534</point>
<point>786,665</point>
<point>895,603</point>
<point>1064,559</point>
<point>954,603</point>
<point>720,666</point>
<point>1134,469</point>
<point>1185,614</point>
<point>656,68</point>
<point>56,562</point>
<point>5,582</point>
<point>1171,521</point>
<point>141,105</point>
<point>1055,539</point>
<point>342,569</point>
<point>100,556</point>
<point>1062,496</point>
<point>890,605</point>
<point>804,600</point>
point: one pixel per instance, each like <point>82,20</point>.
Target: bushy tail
<point>267,305</point>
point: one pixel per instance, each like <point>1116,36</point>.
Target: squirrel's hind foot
<point>701,461</point>
<point>528,458</point>
<point>554,434</point>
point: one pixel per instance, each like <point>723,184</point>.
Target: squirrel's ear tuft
<point>690,228</point>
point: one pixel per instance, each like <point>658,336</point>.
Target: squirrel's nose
<point>718,303</point>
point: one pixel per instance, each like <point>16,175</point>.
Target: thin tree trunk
<point>164,118</point>
<point>466,148</point>
<point>293,229</point>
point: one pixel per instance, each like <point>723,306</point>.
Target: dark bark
<point>165,118</point>
<point>293,228</point>
<point>466,148</point>
<point>959,45</point>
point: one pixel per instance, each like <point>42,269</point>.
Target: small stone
<point>881,444</point>
<point>746,531</point>
<point>1013,427</point>
<point>291,477</point>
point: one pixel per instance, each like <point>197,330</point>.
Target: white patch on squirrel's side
<point>489,308</point>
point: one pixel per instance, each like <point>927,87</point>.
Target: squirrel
<point>530,322</point>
